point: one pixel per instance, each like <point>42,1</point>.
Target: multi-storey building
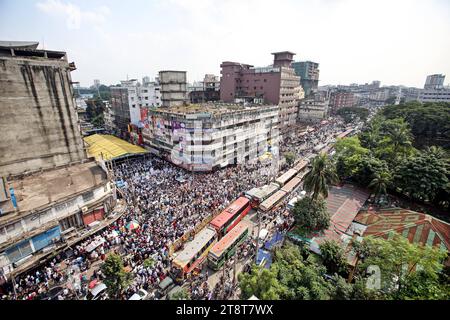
<point>49,191</point>
<point>129,98</point>
<point>434,81</point>
<point>173,88</point>
<point>313,109</point>
<point>207,90</point>
<point>308,72</point>
<point>38,118</point>
<point>207,136</point>
<point>342,99</point>
<point>276,84</point>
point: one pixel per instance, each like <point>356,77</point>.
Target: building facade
<point>49,191</point>
<point>342,99</point>
<point>173,88</point>
<point>127,101</point>
<point>434,81</point>
<point>308,72</point>
<point>207,90</point>
<point>38,118</point>
<point>208,136</point>
<point>277,84</point>
<point>313,109</point>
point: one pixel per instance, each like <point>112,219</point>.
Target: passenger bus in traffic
<point>285,177</point>
<point>226,247</point>
<point>272,201</point>
<point>193,254</point>
<point>258,195</point>
<point>231,216</point>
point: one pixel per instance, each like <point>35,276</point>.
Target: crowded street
<point>164,202</point>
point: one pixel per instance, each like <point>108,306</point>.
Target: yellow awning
<point>110,147</point>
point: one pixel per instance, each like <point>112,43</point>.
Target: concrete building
<point>49,191</point>
<point>129,98</point>
<point>341,99</point>
<point>173,88</point>
<point>434,95</point>
<point>51,205</point>
<point>434,81</point>
<point>276,85</point>
<point>308,72</point>
<point>38,114</point>
<point>208,136</point>
<point>207,90</point>
<point>313,109</point>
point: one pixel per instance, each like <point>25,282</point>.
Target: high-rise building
<point>173,88</point>
<point>434,81</point>
<point>276,84</point>
<point>207,90</point>
<point>308,72</point>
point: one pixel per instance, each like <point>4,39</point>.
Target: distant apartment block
<point>277,84</point>
<point>129,98</point>
<point>434,81</point>
<point>313,109</point>
<point>207,90</point>
<point>342,99</point>
<point>308,72</point>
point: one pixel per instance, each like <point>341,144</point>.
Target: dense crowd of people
<point>166,202</point>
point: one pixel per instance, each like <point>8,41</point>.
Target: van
<point>96,292</point>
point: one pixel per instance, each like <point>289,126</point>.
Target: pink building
<point>276,84</point>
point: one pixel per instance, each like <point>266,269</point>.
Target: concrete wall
<point>38,121</point>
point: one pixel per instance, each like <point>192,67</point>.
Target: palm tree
<point>379,183</point>
<point>438,152</point>
<point>400,137</point>
<point>321,175</point>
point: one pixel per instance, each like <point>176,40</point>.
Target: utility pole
<point>257,236</point>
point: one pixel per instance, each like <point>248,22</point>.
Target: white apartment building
<point>312,110</point>
<point>434,95</point>
<point>208,136</point>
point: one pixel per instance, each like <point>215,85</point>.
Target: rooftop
<point>210,109</point>
<point>40,189</point>
<point>110,147</point>
<point>27,49</point>
<point>418,228</point>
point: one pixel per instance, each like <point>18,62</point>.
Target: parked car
<point>140,295</point>
<point>97,292</point>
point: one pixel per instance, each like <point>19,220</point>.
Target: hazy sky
<point>394,41</point>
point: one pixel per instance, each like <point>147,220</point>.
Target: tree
<point>260,282</point>
<point>401,263</point>
<point>333,257</point>
<point>290,158</point>
<point>349,154</point>
<point>116,278</point>
<point>380,182</point>
<point>311,214</point>
<point>349,113</point>
<point>322,174</point>
<point>422,177</point>
<point>181,294</point>
<point>396,140</point>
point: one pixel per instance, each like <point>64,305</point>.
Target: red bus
<point>231,216</point>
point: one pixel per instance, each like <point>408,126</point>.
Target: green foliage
<point>260,282</point>
<point>429,122</point>
<point>181,294</point>
<point>311,214</point>
<point>333,257</point>
<point>401,264</point>
<point>289,278</point>
<point>290,158</point>
<point>380,182</point>
<point>116,278</point>
<point>322,174</point>
<point>349,154</point>
<point>94,111</point>
<point>421,177</point>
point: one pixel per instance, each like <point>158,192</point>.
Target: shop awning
<point>110,147</point>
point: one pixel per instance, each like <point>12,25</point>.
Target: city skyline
<point>353,41</point>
